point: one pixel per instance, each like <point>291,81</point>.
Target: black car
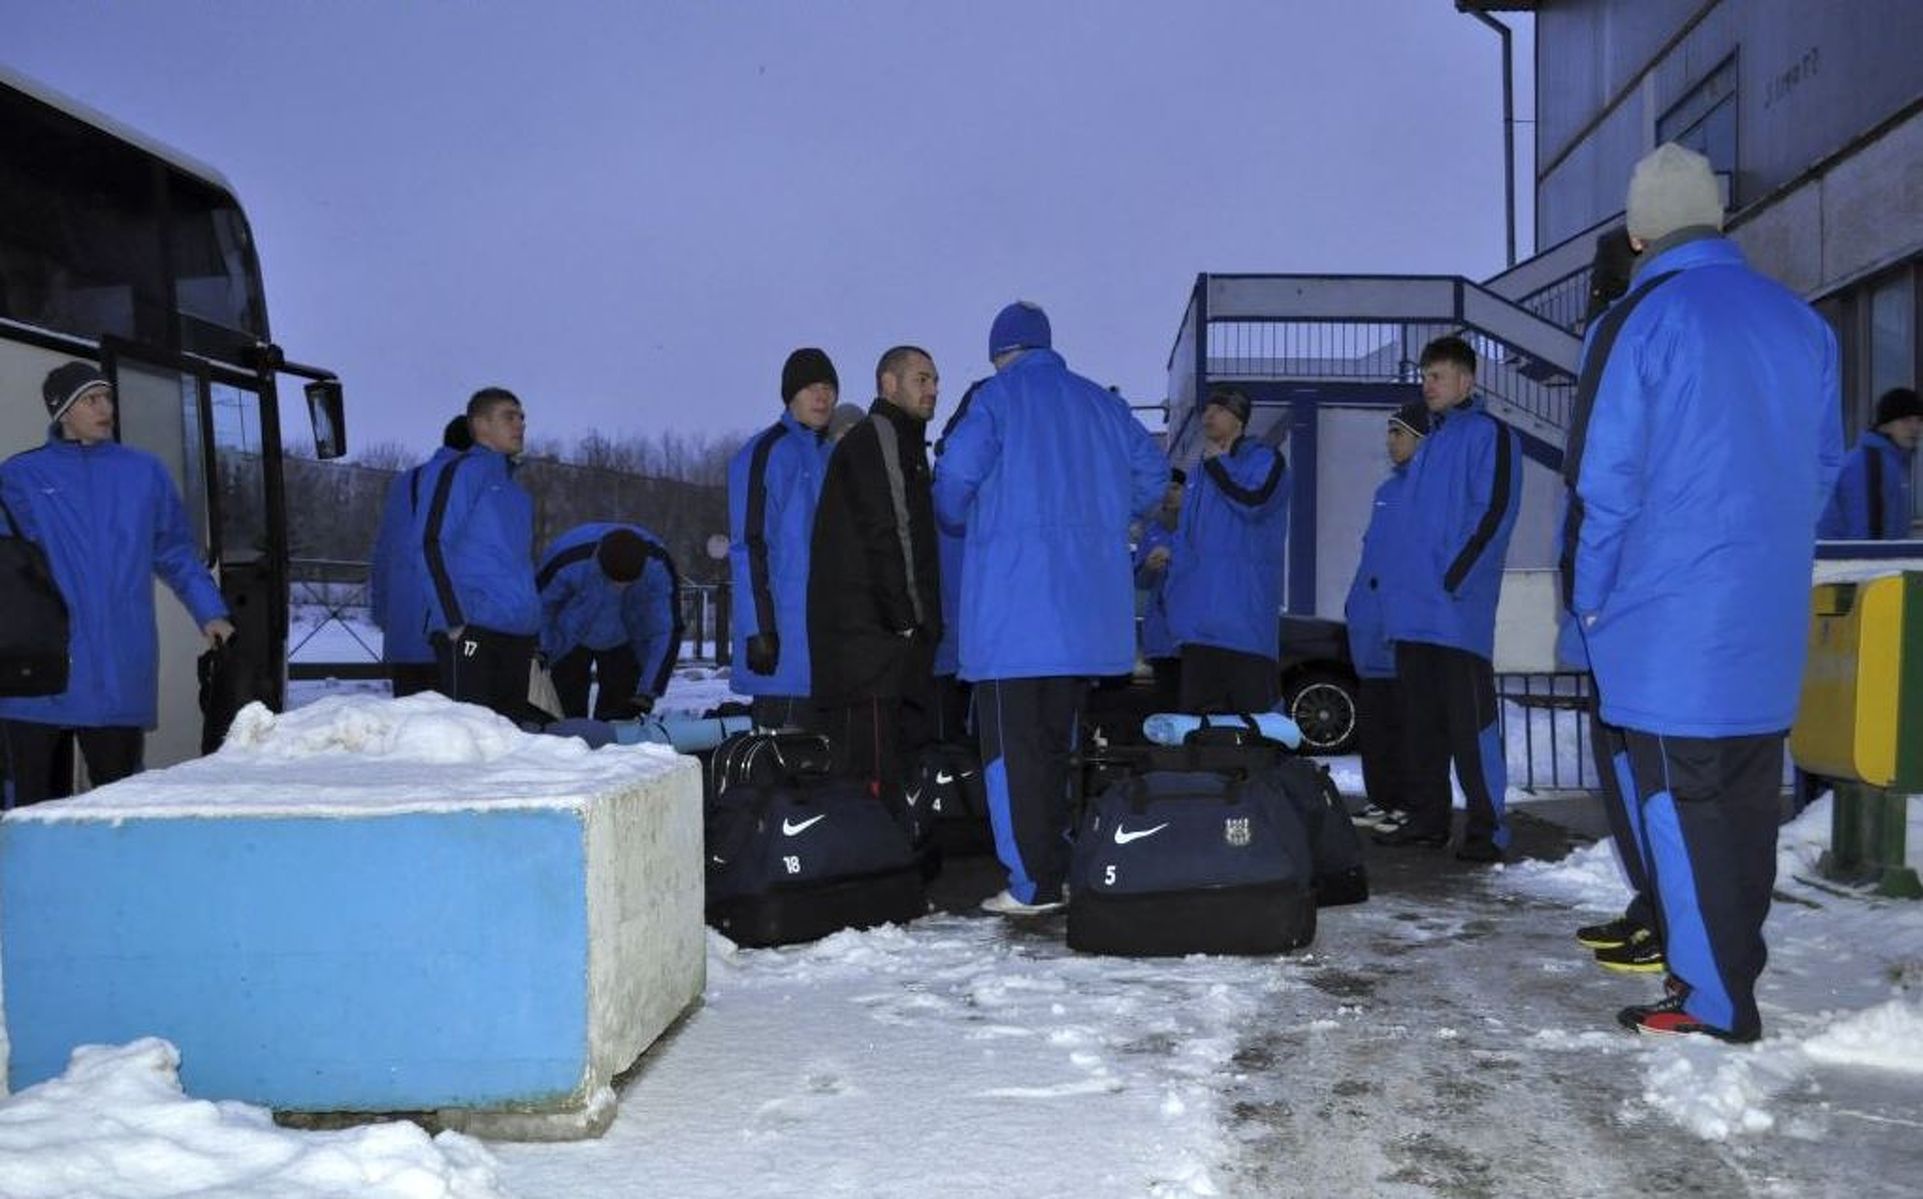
<point>1319,689</point>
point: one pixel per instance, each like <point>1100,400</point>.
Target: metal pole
<point>1508,128</point>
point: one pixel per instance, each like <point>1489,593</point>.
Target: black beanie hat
<point>621,554</point>
<point>1413,416</point>
<point>65,382</point>
<point>805,368</point>
<point>1234,401</point>
<point>458,435</point>
<point>1897,403</point>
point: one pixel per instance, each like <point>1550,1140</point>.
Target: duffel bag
<point>797,859</point>
<point>1191,861</point>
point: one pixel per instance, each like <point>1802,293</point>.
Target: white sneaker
<point>1370,816</point>
<point>1004,904</point>
<point>1391,821</point>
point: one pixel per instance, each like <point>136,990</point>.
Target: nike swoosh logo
<point>789,828</point>
<point>943,778</point>
<point>1123,836</point>
<point>913,797</point>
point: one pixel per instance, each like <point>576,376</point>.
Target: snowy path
<point>1447,1038</point>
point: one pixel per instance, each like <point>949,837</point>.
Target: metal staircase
<point>1371,329</point>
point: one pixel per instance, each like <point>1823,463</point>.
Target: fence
<point>1544,720</point>
<point>333,633</point>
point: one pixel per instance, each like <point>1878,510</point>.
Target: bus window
<point>159,411</point>
<point>243,480</point>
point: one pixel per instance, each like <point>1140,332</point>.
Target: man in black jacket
<point>874,590</point>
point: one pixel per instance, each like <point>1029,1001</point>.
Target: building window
<point>1704,120</point>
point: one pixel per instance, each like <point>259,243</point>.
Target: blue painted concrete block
<point>512,958</point>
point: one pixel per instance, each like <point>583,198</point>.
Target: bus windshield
<point>101,239</point>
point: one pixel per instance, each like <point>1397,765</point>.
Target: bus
<point>119,251</point>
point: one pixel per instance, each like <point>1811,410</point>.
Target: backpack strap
<point>12,524</point>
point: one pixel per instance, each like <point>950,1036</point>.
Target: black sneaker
<point>1641,954</point>
<point>1478,851</point>
<point>1609,934</point>
<point>1406,836</point>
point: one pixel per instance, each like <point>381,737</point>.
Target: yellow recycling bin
<point>1860,723</point>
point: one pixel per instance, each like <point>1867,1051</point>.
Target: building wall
<point>1805,84</point>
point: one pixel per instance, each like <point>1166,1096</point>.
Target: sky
<point>630,214</point>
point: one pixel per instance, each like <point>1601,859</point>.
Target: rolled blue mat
<point>1169,728</point>
<point>687,734</point>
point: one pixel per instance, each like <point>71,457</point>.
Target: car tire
<point>1323,705</point>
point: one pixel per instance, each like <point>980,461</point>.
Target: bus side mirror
<point>328,411</point>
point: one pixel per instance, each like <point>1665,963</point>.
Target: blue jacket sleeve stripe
<point>431,546</point>
<point>756,533</point>
<point>1492,515</point>
<point>655,673</point>
<point>561,561</point>
<point>1253,497</point>
<point>1873,462</point>
<point>1595,358</point>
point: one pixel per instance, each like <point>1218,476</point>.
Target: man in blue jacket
<point>1041,476</point>
<point>1703,447</point>
<point>476,534</point>
<point>1872,497</point>
<point>397,582</point>
<point>1152,554</point>
<point>1225,575</point>
<point>610,613</point>
<point>1379,707</point>
<point>109,520</point>
<point>774,485</point>
<point>1442,580</point>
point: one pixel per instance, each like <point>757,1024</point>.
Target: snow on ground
<point>1446,1038</point>
<point>1843,989</point>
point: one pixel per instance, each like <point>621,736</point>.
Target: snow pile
<point>425,727</point>
<point>1888,1036</point>
<point>1589,878</point>
<point>358,755</point>
<point>1716,1091</point>
<point>116,1126</point>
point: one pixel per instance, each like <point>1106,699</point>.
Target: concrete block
<point>503,958</point>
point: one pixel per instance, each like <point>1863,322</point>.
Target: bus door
<point>160,407</point>
<point>219,441</point>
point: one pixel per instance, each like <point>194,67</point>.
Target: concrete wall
<point>1806,86</point>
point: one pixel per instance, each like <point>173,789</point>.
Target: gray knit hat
<point>1672,189</point>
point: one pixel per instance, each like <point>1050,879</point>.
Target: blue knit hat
<point>1020,326</point>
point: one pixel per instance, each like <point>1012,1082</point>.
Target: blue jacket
<point>110,520</point>
<point>1444,570</point>
<point>397,581</point>
<point>1711,445</point>
<point>476,533</point>
<point>580,606</point>
<point>1369,646</point>
<point>774,483</point>
<point>1042,476</point>
<point>950,547</point>
<point>1157,642</point>
<point>1858,512</point>
<point>1225,580</point>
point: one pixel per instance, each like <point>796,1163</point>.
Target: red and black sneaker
<point>1664,1021</point>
